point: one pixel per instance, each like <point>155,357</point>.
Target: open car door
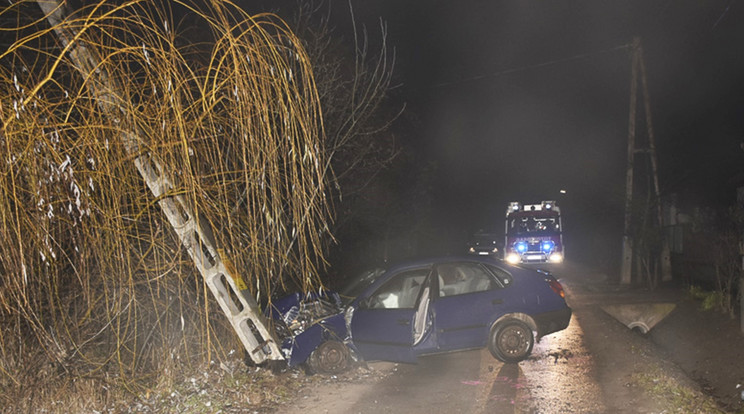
<point>388,322</point>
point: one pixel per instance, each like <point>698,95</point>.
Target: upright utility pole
<point>223,280</point>
<point>741,302</point>
<point>638,66</point>
<point>666,262</point>
<point>625,270</point>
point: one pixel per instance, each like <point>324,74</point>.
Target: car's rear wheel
<point>330,357</point>
<point>511,341</point>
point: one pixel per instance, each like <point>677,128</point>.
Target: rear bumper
<point>553,321</point>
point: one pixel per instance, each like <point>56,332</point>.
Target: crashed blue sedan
<point>420,308</point>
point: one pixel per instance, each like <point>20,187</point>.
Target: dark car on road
<point>484,244</point>
<point>423,307</point>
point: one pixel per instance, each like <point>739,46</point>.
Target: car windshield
<point>358,284</point>
<point>523,226</point>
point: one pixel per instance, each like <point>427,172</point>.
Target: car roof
<point>443,259</point>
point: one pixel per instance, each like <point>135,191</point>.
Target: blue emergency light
<point>547,246</point>
<point>521,247</point>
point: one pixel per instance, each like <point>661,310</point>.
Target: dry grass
<point>673,396</point>
<point>228,386</point>
<point>95,288</point>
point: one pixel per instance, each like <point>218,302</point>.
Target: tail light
<point>556,286</point>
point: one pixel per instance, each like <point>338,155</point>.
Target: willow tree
<point>92,276</point>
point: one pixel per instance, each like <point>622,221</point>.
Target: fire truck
<point>533,233</point>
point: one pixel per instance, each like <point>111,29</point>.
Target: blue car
<point>423,307</point>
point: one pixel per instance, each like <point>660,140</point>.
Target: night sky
<point>518,100</point>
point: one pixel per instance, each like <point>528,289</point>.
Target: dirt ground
<point>703,347</point>
<point>709,347</point>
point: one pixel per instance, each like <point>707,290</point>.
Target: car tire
<point>511,341</point>
<point>330,357</point>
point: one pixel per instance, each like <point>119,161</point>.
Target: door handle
<point>497,301</point>
<point>404,322</point>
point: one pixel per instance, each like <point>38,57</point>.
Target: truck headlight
<point>556,258</point>
<point>513,258</point>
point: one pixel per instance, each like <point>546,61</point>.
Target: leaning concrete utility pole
<point>227,286</point>
<point>638,67</point>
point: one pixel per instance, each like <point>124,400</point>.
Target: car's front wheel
<point>330,357</point>
<point>511,341</point>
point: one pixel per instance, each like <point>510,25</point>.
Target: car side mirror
<point>363,304</point>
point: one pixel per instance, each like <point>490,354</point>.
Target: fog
<point>519,100</point>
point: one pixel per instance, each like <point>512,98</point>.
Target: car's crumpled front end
<point>304,321</point>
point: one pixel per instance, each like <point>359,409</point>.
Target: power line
<point>525,68</point>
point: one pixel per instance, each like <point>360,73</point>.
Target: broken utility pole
<point>224,282</point>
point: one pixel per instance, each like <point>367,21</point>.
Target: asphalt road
<point>596,365</point>
<point>557,378</point>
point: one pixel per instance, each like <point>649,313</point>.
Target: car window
<point>462,278</point>
<point>359,284</point>
<point>504,278</point>
<point>399,292</point>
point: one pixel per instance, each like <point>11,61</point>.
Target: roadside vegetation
<point>99,302</point>
<point>713,259</point>
<point>673,396</point>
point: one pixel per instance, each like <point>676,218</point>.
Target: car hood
<point>303,321</point>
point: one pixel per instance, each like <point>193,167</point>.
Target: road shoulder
<point>636,374</point>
